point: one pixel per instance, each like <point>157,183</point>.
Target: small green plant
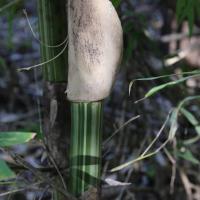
<point>172,118</point>
<point>9,139</point>
<point>188,10</point>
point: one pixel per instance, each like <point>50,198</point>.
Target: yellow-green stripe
<point>85,150</point>
<point>53,31</point>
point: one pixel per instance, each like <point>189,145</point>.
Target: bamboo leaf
<point>120,167</point>
<point>5,171</point>
<point>187,9</point>
<point>191,140</point>
<point>197,7</point>
<point>8,139</point>
<point>174,123</point>
<point>174,116</point>
<point>116,3</point>
<point>192,119</point>
<point>191,16</point>
<point>187,155</point>
<point>173,128</point>
<point>194,72</point>
<point>180,5</point>
<point>156,89</point>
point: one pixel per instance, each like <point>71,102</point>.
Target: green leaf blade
<point>8,139</point>
<point>157,89</point>
<point>187,155</point>
<point>116,3</point>
<point>5,172</point>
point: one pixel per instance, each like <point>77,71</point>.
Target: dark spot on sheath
<point>83,18</point>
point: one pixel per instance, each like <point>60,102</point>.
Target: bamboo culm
<point>85,150</point>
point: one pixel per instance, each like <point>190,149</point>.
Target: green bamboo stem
<point>85,150</point>
<point>53,31</point>
<point>53,37</point>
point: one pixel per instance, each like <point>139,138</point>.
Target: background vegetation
<point>151,121</point>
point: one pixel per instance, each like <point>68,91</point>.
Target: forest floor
<point>170,174</point>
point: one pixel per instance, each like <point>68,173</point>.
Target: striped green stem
<point>53,33</point>
<point>53,39</point>
<point>85,150</point>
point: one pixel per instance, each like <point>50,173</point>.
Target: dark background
<point>153,40</point>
